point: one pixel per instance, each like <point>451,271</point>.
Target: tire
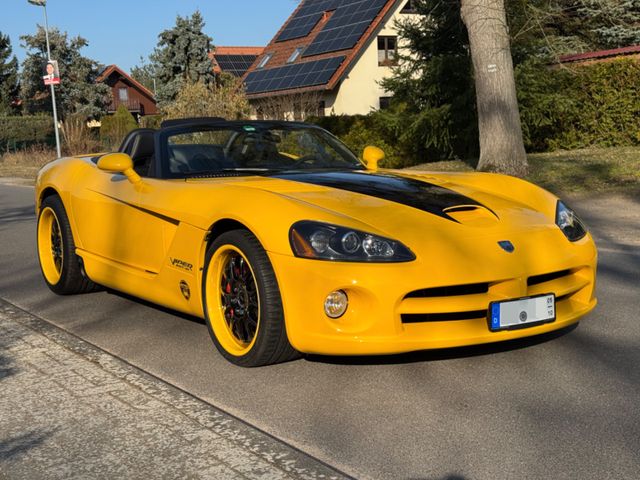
<point>242,303</point>
<point>59,264</point>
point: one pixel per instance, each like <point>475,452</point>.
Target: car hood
<point>392,201</point>
<point>459,217</point>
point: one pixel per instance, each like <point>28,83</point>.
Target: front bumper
<point>395,308</point>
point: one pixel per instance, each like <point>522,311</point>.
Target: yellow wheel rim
<point>233,300</point>
<point>50,246</point>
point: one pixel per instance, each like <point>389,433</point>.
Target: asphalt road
<point>562,406</point>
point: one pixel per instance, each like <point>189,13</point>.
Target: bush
<point>223,98</point>
<point>17,132</point>
<point>78,139</point>
<point>339,125</point>
<point>115,127</point>
<point>151,121</point>
<point>360,131</point>
<point>590,105</point>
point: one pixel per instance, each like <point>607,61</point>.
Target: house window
<point>321,108</point>
<point>385,103</point>
<point>295,55</point>
<point>387,51</point>
<point>409,7</point>
<point>123,94</point>
<point>265,60</point>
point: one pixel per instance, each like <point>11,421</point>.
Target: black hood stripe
<point>394,188</point>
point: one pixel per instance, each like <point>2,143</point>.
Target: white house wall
<point>360,90</point>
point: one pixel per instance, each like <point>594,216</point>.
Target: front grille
<point>450,291</point>
<point>471,301</point>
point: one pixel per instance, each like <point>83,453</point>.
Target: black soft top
<point>221,122</point>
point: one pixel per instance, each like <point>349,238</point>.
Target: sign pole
<point>53,91</point>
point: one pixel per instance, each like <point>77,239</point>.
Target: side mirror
<point>372,156</point>
<point>119,163</point>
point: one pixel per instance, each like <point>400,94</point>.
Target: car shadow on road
<point>444,353</point>
<point>15,215</point>
<point>155,306</point>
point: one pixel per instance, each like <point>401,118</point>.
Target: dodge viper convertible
<point>285,243</point>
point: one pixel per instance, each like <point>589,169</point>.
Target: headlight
<point>569,223</point>
<point>323,241</point>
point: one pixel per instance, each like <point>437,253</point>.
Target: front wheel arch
<point>60,265</point>
<point>270,342</point>
<point>46,193</point>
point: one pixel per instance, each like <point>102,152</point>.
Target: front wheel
<point>242,302</point>
<point>60,266</point>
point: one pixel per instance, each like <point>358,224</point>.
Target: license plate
<point>522,313</point>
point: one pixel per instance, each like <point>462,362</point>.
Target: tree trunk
<point>501,145</point>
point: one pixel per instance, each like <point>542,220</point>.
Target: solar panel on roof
<point>299,75</point>
<point>343,30</point>
<point>306,18</point>
<point>346,26</point>
<point>235,64</point>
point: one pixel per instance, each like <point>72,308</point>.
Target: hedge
<point>20,131</point>
<point>590,105</point>
<point>560,108</point>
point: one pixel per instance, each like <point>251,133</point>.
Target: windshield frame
<point>239,126</point>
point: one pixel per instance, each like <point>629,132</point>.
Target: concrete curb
<point>37,352</point>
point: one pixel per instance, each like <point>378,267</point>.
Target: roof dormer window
<point>265,60</point>
<point>295,55</point>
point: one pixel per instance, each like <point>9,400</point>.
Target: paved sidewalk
<point>70,410</point>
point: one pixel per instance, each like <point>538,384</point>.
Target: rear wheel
<point>60,266</point>
<point>242,302</point>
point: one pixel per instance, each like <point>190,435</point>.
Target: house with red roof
<point>234,60</point>
<point>328,58</point>
<point>127,91</point>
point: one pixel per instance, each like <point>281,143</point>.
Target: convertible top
<point>183,122</point>
<point>219,121</point>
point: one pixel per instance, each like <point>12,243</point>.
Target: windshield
<point>254,148</point>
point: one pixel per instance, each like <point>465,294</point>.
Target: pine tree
<point>607,23</point>
<point>181,57</point>
<point>144,73</point>
<point>434,108</point>
<point>78,91</point>
<point>551,28</point>
<point>8,77</point>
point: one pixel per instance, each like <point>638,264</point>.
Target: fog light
<point>336,304</point>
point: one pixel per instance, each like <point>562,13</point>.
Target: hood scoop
<point>472,215</point>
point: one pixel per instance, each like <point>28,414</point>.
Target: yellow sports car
<point>285,243</point>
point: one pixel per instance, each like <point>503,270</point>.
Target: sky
<point>121,31</point>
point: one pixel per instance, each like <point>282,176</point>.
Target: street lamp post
<point>43,3</point>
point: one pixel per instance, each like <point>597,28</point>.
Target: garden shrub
<point>360,131</point>
<point>589,105</point>
<point>339,125</point>
<point>115,127</point>
<point>151,121</point>
<point>17,132</point>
